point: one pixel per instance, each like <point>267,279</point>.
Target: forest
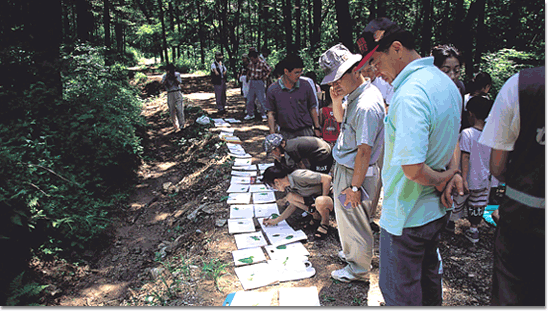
<point>71,129</point>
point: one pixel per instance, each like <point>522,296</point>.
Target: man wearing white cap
<point>356,152</point>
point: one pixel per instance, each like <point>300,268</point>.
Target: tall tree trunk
<point>372,12</point>
<point>513,24</point>
<point>144,10</point>
<point>119,40</point>
<point>163,26</point>
<point>201,37</point>
<point>481,36</point>
<point>445,25</point>
<point>107,30</point>
<point>427,9</point>
<point>381,8</point>
<point>345,31</point>
<point>85,20</point>
<point>287,13</point>
<point>265,21</point>
<point>298,19</point>
<point>316,37</point>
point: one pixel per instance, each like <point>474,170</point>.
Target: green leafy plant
<point>22,292</point>
<point>214,270</point>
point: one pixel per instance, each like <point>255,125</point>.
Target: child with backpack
<point>330,128</point>
<point>475,173</point>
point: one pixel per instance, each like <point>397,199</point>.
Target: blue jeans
<point>256,91</point>
<point>410,266</point>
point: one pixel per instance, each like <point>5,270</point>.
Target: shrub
<point>504,63</point>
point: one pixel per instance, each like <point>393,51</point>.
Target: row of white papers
<point>288,257</point>
<point>289,297</point>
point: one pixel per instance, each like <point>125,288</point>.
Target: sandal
<point>320,235</point>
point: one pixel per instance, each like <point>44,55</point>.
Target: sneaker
<point>248,117</point>
<point>264,117</point>
<point>342,256</point>
<point>472,235</point>
<point>343,275</point>
<point>450,226</point>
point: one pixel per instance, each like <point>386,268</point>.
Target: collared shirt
<point>171,85</point>
<point>220,68</point>
<point>258,71</point>
<point>421,127</point>
<point>305,182</point>
<point>291,106</point>
<point>363,124</point>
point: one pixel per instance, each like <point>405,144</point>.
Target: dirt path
<point>168,250</point>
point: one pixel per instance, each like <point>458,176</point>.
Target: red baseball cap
<point>378,31</point>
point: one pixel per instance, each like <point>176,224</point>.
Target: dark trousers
<point>410,266</point>
<point>519,257</point>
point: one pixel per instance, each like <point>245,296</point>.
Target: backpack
<point>330,128</point>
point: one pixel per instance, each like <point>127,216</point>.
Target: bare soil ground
<point>166,249</point>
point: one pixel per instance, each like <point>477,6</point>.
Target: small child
<point>330,128</point>
<point>475,159</point>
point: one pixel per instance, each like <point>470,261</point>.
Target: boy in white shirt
<point>475,167</point>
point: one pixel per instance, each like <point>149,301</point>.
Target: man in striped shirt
<point>257,73</point>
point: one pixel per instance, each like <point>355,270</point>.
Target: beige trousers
<point>354,224</point>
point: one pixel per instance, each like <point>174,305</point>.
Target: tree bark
<point>316,37</point>
<point>298,19</point>
<point>480,36</point>
<point>85,20</point>
<point>427,9</point>
<point>287,13</point>
<point>107,30</point>
<point>345,31</point>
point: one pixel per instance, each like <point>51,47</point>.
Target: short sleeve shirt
<point>219,68</point>
<point>305,182</point>
<point>292,107</point>
<point>312,148</point>
<point>502,128</point>
<point>363,123</point>
<point>171,85</point>
<point>421,127</point>
<point>480,155</point>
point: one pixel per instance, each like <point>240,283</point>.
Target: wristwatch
<point>317,128</point>
<point>354,188</point>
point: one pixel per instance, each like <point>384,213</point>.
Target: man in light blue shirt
<point>420,157</point>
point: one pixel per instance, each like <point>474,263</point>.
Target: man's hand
<point>318,133</point>
<point>336,94</point>
<point>455,183</point>
<point>352,197</point>
<point>270,222</point>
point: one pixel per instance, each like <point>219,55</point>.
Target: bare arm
<point>315,118</point>
<point>497,166</point>
<point>424,175</point>
<point>325,182</point>
<point>271,122</point>
<point>287,213</point>
<point>337,108</point>
<point>465,169</point>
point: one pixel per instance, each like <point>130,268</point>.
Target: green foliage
<point>22,293</point>
<point>214,270</point>
<point>69,163</point>
<point>140,78</point>
<point>504,63</point>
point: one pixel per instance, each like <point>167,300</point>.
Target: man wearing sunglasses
<point>420,157</point>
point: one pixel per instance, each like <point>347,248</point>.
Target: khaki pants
<point>354,224</point>
<point>175,107</point>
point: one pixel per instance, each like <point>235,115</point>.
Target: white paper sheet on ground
<point>254,188</point>
<point>281,227</point>
<point>298,296</point>
<point>238,198</point>
<point>290,250</point>
<point>245,155</point>
<point>243,162</point>
<point>252,298</point>
<point>232,146</point>
<point>240,225</point>
<point>247,167</point>
<point>239,173</point>
<point>263,197</point>
<point>265,210</point>
<point>227,130</point>
<point>248,256</point>
<point>242,180</point>
<point>292,268</point>
<point>238,188</point>
<point>262,167</point>
<point>249,240</point>
<point>256,275</point>
<point>232,120</point>
<point>241,211</point>
<point>282,233</point>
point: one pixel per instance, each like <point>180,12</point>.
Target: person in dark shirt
<point>305,152</point>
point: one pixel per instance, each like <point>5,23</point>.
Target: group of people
<point>444,144</point>
<point>437,146</point>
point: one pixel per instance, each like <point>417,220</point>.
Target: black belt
<point>174,91</point>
